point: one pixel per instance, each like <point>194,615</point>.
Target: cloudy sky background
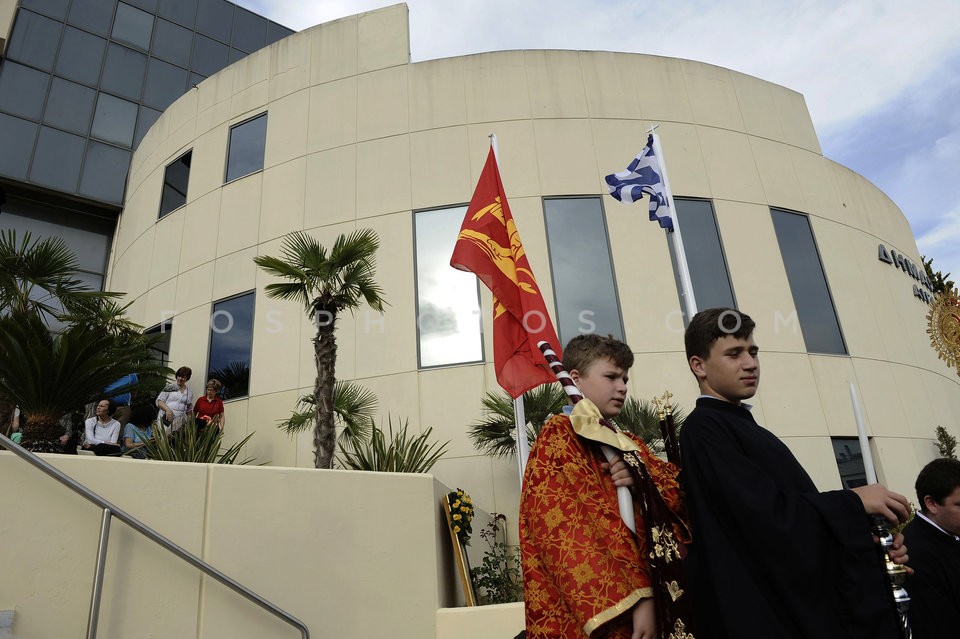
<point>881,78</point>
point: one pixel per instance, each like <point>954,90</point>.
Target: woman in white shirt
<point>175,401</point>
<point>102,432</point>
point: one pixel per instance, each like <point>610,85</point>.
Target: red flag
<point>489,246</point>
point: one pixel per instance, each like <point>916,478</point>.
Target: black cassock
<point>934,588</point>
<point>772,557</point>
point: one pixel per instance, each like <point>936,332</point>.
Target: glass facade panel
<point>183,12</point>
<point>247,142</point>
<point>275,32</point>
<point>105,172</point>
<point>16,134</point>
<point>81,56</point>
<point>808,283</point>
<point>69,106</point>
<point>176,178</point>
<point>209,56</point>
<point>165,83</point>
<point>87,237</point>
<point>133,26</point>
<point>22,90</point>
<point>215,19</point>
<point>231,340</point>
<point>583,279</point>
<point>249,31</point>
<point>449,330</point>
<point>91,15</point>
<point>146,5</point>
<point>705,258</point>
<point>114,120</point>
<point>34,40</point>
<point>172,43</point>
<point>56,162</point>
<point>123,72</point>
<point>53,8</point>
<point>144,121</point>
<point>849,457</point>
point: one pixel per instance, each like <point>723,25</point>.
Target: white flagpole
<point>686,284</point>
<point>519,414</point>
<point>868,468</point>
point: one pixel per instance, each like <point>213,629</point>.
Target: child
<point>584,572</point>
<point>771,556</point>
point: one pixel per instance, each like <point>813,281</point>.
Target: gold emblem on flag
<point>943,326</point>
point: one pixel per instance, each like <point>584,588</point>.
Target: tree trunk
<point>325,357</point>
<point>41,433</point>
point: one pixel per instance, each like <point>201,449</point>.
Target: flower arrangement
<point>461,514</point>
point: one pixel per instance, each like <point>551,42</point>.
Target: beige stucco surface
<point>359,137</point>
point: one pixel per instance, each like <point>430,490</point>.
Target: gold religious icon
<point>943,326</point>
<point>667,406</point>
<point>661,411</point>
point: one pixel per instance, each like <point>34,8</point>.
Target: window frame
<point>163,187</point>
<point>213,309</point>
<point>233,127</point>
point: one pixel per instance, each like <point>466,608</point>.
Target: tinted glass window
<point>144,122</point>
<point>209,56</point>
<point>114,120</point>
<point>87,236</point>
<point>808,284</point>
<point>16,134</point>
<point>705,259</point>
<point>81,56</point>
<point>69,106</point>
<point>104,172</point>
<point>146,5</point>
<point>583,283</point>
<point>249,31</point>
<point>276,32</point>
<point>176,178</point>
<point>91,15</point>
<point>247,141</point>
<point>215,19</point>
<point>53,8</point>
<point>56,162</point>
<point>448,301</point>
<point>123,72</point>
<point>133,26</point>
<point>182,12</point>
<point>22,90</point>
<point>173,43</point>
<point>34,40</point>
<point>165,83</point>
<point>161,348</point>
<point>849,457</point>
<point>231,338</point>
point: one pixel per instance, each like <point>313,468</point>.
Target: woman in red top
<point>209,408</point>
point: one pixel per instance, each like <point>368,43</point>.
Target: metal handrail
<point>110,510</point>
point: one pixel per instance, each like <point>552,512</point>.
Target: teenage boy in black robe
<point>934,538</point>
<point>772,557</point>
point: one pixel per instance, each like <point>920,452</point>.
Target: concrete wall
<point>359,137</point>
<point>350,554</point>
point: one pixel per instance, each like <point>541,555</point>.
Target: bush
<point>191,444</point>
<point>394,453</point>
<point>498,579</point>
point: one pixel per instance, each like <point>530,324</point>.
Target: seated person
<point>138,430</point>
<point>102,432</point>
<point>209,408</point>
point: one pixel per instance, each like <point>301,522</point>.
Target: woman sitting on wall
<point>209,408</point>
<point>175,401</point>
<point>102,432</point>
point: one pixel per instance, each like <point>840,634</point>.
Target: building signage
<point>918,273</point>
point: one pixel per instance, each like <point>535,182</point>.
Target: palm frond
<point>393,452</point>
<point>640,418</point>
<point>192,444</point>
<point>493,434</point>
<point>353,404</point>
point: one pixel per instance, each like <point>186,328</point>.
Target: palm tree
<point>353,404</point>
<point>326,283</point>
<point>50,374</point>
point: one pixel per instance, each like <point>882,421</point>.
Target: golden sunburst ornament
<point>943,326</point>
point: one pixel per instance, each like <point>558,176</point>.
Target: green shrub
<point>393,452</point>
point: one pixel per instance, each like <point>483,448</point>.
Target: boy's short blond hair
<point>583,350</point>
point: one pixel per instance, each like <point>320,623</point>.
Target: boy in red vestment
<point>585,574</point>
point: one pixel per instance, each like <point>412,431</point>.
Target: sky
<point>881,78</point>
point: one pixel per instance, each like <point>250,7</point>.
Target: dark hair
<point>111,405</point>
<point>938,479</point>
<point>143,415</point>
<point>584,350</point>
<point>184,371</point>
<point>709,325</point>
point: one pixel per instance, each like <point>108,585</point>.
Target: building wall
<point>359,137</point>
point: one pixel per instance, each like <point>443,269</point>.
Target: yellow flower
<point>455,504</point>
<point>456,529</point>
<point>457,517</point>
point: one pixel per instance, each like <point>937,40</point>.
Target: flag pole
<point>519,414</point>
<point>867,455</point>
<point>686,284</point>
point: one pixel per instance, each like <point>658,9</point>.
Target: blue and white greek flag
<point>643,176</point>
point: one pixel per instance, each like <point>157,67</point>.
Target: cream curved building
<point>333,129</point>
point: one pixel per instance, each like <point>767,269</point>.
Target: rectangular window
<point>160,350</point>
<point>175,181</point>
<point>849,461</point>
<point>247,142</point>
<point>231,340</point>
<point>449,330</point>
<point>808,283</point>
<point>705,258</point>
<point>583,279</point>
